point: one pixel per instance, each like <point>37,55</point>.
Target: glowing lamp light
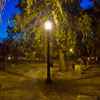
<point>48,25</point>
<point>9,58</point>
<point>71,50</point>
<point>34,52</point>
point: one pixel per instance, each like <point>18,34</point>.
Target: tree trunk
<point>62,61</point>
<point>51,61</point>
<point>4,65</point>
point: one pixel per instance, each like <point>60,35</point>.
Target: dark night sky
<point>9,10</point>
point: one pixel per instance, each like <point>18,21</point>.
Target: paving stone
<point>84,97</point>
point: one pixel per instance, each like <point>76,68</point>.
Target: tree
<point>35,16</point>
<point>93,37</point>
<point>2,4</point>
<point>68,22</point>
<point>84,26</point>
<point>95,28</point>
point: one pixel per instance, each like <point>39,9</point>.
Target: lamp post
<point>48,28</point>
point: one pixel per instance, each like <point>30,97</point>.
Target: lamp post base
<point>48,81</point>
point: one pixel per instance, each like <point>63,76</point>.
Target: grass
<point>10,77</point>
<point>68,85</point>
<point>65,85</point>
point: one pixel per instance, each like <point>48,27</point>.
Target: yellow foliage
<point>2,3</point>
<point>29,2</point>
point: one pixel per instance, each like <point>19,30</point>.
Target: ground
<point>68,85</point>
<point>19,82</point>
<point>26,81</point>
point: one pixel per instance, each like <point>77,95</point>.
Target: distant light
<point>26,53</point>
<point>91,32</point>
<point>71,49</point>
<point>34,52</point>
<point>48,25</point>
<point>9,58</point>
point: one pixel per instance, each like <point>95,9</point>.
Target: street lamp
<point>48,25</point>
<point>48,28</point>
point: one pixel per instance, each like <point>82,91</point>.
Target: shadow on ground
<point>17,74</point>
<point>63,89</point>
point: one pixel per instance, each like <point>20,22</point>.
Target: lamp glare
<point>71,50</point>
<point>48,25</point>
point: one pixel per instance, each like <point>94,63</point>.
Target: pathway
<point>27,88</point>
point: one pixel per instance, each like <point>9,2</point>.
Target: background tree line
<point>73,27</point>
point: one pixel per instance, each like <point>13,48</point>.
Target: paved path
<point>27,88</point>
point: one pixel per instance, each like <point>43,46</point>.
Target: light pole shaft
<point>48,59</point>
<point>48,56</point>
